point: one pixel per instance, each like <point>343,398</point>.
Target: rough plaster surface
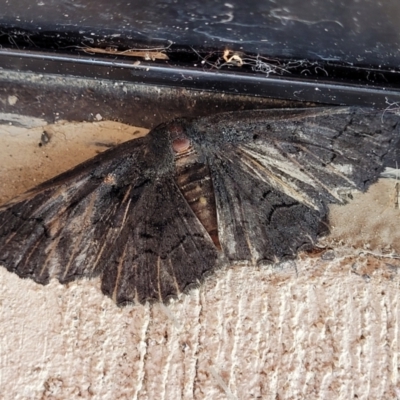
<point>324,327</point>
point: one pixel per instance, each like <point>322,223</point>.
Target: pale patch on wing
<point>158,278</point>
<point>78,229</point>
<point>346,169</point>
<point>119,274</point>
<point>175,282</point>
<point>229,240</point>
<point>272,157</point>
<point>320,165</point>
<point>309,129</point>
<point>254,160</point>
<point>389,172</point>
<point>264,161</point>
<point>52,261</point>
<point>82,255</point>
<point>62,194</point>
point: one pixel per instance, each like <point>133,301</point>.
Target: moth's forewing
<point>275,171</point>
<point>120,215</point>
<point>52,228</point>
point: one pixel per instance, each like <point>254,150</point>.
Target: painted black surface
<point>321,51</point>
<point>359,89</point>
<point>355,31</point>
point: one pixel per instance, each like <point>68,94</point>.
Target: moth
<point>154,216</point>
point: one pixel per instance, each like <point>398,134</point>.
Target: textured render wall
<point>324,327</point>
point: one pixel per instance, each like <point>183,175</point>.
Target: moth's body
<point>193,178</point>
<point>155,215</point>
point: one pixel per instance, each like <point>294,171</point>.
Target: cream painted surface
<point>324,327</point>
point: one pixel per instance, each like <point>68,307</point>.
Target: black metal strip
<point>150,73</point>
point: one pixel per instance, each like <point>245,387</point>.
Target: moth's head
<point>167,143</point>
<point>179,140</point>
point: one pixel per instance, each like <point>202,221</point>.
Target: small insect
<point>44,139</point>
<point>155,215</point>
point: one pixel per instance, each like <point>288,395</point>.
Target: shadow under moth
<point>153,216</point>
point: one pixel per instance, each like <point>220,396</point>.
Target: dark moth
<point>154,215</point>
